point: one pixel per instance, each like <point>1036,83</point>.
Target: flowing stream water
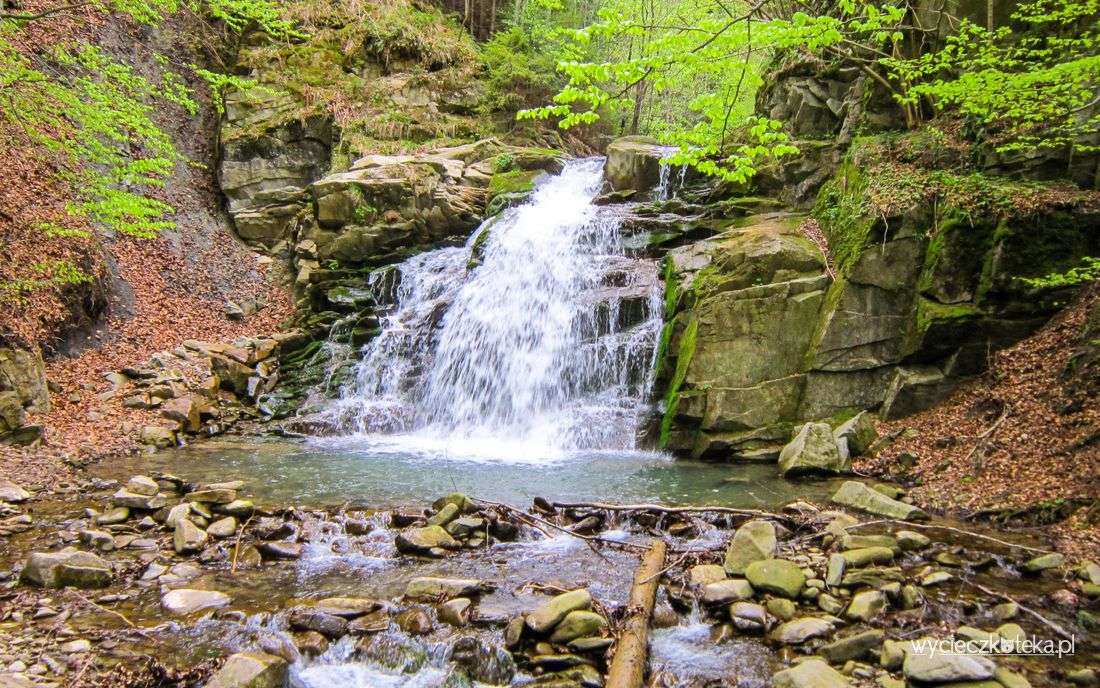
<point>534,340</point>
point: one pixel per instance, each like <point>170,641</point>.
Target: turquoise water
<point>386,472</point>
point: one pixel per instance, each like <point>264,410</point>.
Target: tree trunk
<point>628,664</point>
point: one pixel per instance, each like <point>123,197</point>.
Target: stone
<point>936,578</point>
<point>78,646</point>
<point>185,410</point>
<point>909,540</point>
<point>782,608</point>
<point>856,495</point>
<point>375,622</point>
<point>223,528</point>
<point>1011,632</point>
<point>456,612</point>
<point>142,485</point>
<point>812,673</point>
<point>548,614</point>
<point>113,516</point>
<point>448,513</point>
<point>348,607</point>
<point>157,436</point>
<point>185,601</point>
<point>464,503</point>
<point>634,162</point>
<point>238,508</point>
<point>834,573</point>
<point>855,436</point>
<point>1043,562</point>
<point>426,588</point>
<point>280,549</point>
<point>915,389</point>
<point>313,619</point>
<point>176,514</point>
<point>753,541</point>
<point>219,495</point>
<point>414,621</point>
<point>1084,677</point>
<point>310,643</point>
<point>704,574</point>
<point>849,542</point>
<point>777,576</point>
<point>250,670</point>
<point>868,555</point>
<point>23,373</point>
<point>748,616</point>
<point>578,624</point>
<point>865,605</point>
<point>813,451</point>
<point>69,567</point>
<point>1088,571</point>
<point>829,604</point>
<point>98,539</point>
<point>945,667</point>
<point>424,540</point>
<point>851,647</point>
<point>136,501</point>
<point>800,630</point>
<point>1010,679</point>
<point>12,493</point>
<point>188,537</point>
<point>1005,611</point>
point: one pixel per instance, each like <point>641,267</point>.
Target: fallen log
<point>631,650</point>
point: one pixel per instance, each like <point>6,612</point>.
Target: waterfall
<point>537,337</point>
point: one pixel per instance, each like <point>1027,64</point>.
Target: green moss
<point>931,314</point>
<point>515,181</point>
<point>683,359</point>
<point>828,307</point>
<point>843,215</point>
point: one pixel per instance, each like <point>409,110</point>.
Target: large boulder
<point>634,162</point>
<point>812,673</point>
<point>856,495</point>
<point>753,541</point>
<point>813,451</point>
<point>777,576</point>
<point>855,436</point>
<point>250,670</point>
<point>69,567</point>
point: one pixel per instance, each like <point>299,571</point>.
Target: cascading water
<point>537,337</point>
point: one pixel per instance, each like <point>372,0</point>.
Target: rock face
<point>813,451</point>
<point>760,339</point>
<point>634,163</point>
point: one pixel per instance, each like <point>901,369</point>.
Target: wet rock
<point>250,670</point>
<point>513,632</point>
<point>348,607</point>
<point>414,621</point>
<point>834,574</point>
<point>1005,611</point>
<point>748,616</point>
<point>704,574</point>
<point>782,608</point>
<point>238,508</point>
<point>375,622</point>
<point>911,597</point>
<point>855,436</point>
<point>448,513</point>
<point>1010,679</point>
<point>852,647</point>
<point>853,542</point>
<point>216,495</point>
<point>726,591</point>
<point>1044,562</point>
<point>829,604</point>
<point>753,541</point>
<point>425,540</point>
<point>142,485</point>
<point>426,588</point>
<point>483,662</point>
<point>868,555</point>
<point>68,567</point>
<point>936,578</point>
<point>909,540</point>
<point>866,605</point>
<point>184,601</point>
<point>813,451</point>
<point>98,539</point>
<point>550,613</point>
<point>1089,571</point>
<point>176,514</point>
<point>312,619</point>
<point>280,550</point>
<point>943,667</point>
<point>114,516</point>
<point>223,528</point>
<point>250,558</point>
<point>78,646</point>
<point>157,436</point>
<point>455,612</point>
<point>12,493</point>
<point>858,496</point>
<point>137,501</point>
<point>188,537</point>
<point>464,503</point>
<point>466,526</point>
<point>812,673</point>
<point>270,528</point>
<point>777,576</point>
<point>801,630</point>
<point>310,643</point>
<point>578,624</point>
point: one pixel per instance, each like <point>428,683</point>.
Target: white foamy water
<point>535,340</point>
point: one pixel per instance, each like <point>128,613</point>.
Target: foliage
<point>1032,86</point>
<point>1088,271</point>
<point>704,46</point>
